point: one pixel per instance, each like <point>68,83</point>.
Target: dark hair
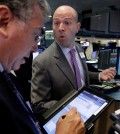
<point>23,9</point>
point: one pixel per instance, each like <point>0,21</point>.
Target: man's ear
<point>5,17</point>
<point>78,26</point>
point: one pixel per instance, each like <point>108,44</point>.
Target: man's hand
<point>108,74</point>
<point>70,123</point>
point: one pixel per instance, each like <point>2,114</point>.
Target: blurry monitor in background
<point>118,62</point>
<point>113,58</point>
<point>104,59</point>
<point>40,50</point>
<point>94,55</point>
<point>96,46</point>
<point>112,46</point>
<point>103,46</point>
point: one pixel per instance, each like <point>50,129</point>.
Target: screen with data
<point>87,104</point>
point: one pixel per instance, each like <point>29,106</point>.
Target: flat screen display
<point>118,62</point>
<point>104,59</point>
<point>89,105</point>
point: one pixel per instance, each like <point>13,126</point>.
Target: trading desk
<point>115,95</point>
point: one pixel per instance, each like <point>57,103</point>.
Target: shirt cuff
<point>99,78</point>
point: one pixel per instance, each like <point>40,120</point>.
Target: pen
<point>63,116</point>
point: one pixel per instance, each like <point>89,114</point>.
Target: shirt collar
<point>1,68</point>
<point>65,49</point>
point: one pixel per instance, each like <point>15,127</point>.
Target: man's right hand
<point>71,123</point>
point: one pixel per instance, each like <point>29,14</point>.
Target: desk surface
<point>115,95</point>
<point>113,92</point>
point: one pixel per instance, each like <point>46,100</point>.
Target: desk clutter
<point>106,87</point>
<point>110,89</point>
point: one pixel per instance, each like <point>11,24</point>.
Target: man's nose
<point>61,27</point>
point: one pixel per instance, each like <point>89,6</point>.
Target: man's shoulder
<point>45,56</point>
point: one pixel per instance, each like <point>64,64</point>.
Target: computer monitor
<point>113,59</point>
<point>112,46</point>
<point>96,46</point>
<point>118,62</point>
<point>94,55</point>
<point>104,59</point>
<point>103,46</point>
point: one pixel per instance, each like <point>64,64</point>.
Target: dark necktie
<point>23,103</point>
<point>75,68</point>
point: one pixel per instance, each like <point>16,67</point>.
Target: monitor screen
<point>96,46</point>
<point>94,55</point>
<point>113,59</point>
<point>85,102</point>
<point>104,59</point>
<point>118,62</point>
<point>112,45</point>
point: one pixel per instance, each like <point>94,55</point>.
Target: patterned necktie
<point>23,103</point>
<point>75,68</point>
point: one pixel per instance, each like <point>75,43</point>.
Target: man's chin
<point>17,67</point>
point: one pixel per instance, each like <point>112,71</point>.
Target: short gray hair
<point>22,9</point>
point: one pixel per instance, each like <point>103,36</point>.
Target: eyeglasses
<point>39,37</point>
